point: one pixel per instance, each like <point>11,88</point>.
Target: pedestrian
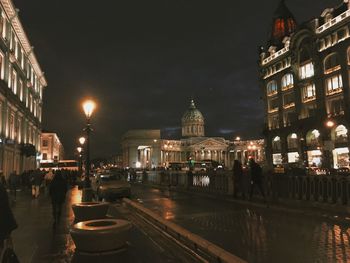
<point>256,178</point>
<point>48,178</point>
<point>13,182</point>
<point>238,179</point>
<point>2,179</point>
<point>36,183</point>
<point>58,189</point>
<point>7,221</point>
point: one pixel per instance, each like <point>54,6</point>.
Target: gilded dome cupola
<point>192,122</point>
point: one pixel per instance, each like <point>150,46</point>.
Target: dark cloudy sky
<point>144,59</point>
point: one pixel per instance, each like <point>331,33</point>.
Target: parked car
<point>110,186</point>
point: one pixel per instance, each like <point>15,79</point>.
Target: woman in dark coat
<point>58,189</point>
<point>7,220</point>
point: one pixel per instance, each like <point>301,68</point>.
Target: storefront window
<point>276,143</point>
<point>341,157</point>
<point>314,158</point>
<point>293,157</point>
<point>292,141</point>
<point>277,158</point>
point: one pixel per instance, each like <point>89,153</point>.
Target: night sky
<point>144,59</point>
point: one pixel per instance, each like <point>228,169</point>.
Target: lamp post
<point>80,153</point>
<point>328,144</point>
<point>88,107</point>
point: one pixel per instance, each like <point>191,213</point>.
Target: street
<point>254,234</point>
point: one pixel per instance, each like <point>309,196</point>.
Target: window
<point>14,81</point>
<point>331,64</point>
<point>336,107</point>
<point>271,88</point>
<point>293,157</point>
<point>20,89</point>
<point>277,158</point>
<point>44,156</point>
<point>288,100</point>
<point>287,81</point>
<point>12,127</point>
<point>2,75</point>
<point>276,143</point>
<point>313,138</point>
<point>274,122</point>
<point>309,92</point>
<point>334,84</point>
<point>306,70</point>
<point>340,134</point>
<point>45,143</point>
<point>273,105</point>
<point>289,118</point>
<point>292,141</point>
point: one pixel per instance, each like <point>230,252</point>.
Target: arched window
<point>331,63</point>
<point>271,88</point>
<point>287,81</point>
<point>348,55</point>
<point>276,143</point>
<point>313,138</point>
<point>340,134</point>
<point>292,141</point>
<point>306,69</point>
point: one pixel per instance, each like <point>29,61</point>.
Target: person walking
<point>36,183</point>
<point>238,179</point>
<point>256,178</point>
<point>7,220</point>
<point>48,178</point>
<point>13,182</point>
<point>58,190</point>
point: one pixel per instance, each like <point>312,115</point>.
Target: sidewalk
<point>36,241</point>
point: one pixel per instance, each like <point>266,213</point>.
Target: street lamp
<point>88,107</point>
<point>80,151</point>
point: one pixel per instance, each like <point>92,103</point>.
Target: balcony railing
<point>333,22</point>
<point>275,55</point>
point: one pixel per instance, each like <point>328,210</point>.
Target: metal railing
<point>333,188</point>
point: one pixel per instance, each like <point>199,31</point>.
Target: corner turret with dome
<point>192,122</point>
<point>284,24</point>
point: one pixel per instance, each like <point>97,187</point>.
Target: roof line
<point>16,24</point>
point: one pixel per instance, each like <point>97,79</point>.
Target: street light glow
<point>82,140</point>
<point>330,123</point>
<point>79,149</point>
<point>89,107</point>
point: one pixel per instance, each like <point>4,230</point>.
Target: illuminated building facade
<point>146,148</point>
<point>21,92</point>
<point>51,147</point>
<point>242,151</point>
<point>304,76</point>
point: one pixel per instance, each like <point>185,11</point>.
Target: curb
<point>194,241</point>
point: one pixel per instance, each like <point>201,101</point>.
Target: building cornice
<point>16,24</point>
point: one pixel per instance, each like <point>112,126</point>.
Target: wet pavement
<point>252,233</point>
<point>36,241</point>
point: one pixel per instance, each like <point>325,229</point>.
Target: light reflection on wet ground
<point>37,242</point>
<point>255,234</point>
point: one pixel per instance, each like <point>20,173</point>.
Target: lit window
<point>293,157</point>
<point>273,105</point>
<point>334,84</point>
<point>287,81</point>
<point>14,81</point>
<point>309,92</point>
<point>306,70</point>
<point>271,88</point>
<point>331,64</point>
<point>288,100</point>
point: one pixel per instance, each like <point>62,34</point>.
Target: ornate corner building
<point>21,91</point>
<point>304,77</point>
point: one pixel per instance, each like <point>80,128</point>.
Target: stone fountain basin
<point>101,235</point>
<point>86,211</point>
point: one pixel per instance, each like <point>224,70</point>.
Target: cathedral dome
<point>192,122</point>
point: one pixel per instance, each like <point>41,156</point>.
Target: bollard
<point>86,195</point>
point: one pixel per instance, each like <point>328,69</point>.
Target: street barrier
<point>331,188</point>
